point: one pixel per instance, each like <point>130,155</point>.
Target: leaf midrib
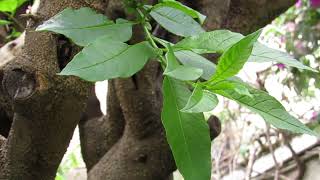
<point>180,122</point>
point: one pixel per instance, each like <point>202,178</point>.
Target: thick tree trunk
<point>129,142</point>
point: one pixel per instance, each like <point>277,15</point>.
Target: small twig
<point>300,166</point>
<point>276,175</point>
<point>252,159</point>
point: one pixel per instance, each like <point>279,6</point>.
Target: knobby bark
<point>42,109</point>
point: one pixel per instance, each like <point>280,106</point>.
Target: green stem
<point>150,38</point>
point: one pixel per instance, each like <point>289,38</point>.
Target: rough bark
<point>129,142</point>
<point>46,107</point>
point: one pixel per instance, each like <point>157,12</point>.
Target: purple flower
<point>299,4</point>
<point>315,3</point>
<point>281,66</point>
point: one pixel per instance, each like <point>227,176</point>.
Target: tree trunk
<point>42,109</point>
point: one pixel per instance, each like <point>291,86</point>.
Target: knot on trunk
<point>18,84</point>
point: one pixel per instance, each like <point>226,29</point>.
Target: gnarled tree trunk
<point>42,109</point>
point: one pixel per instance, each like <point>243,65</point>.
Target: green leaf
<point>179,6</point>
<point>10,5</point>
<point>269,108</point>
<point>84,26</point>
<point>200,101</point>
<point>177,71</point>
<point>4,22</point>
<point>209,42</point>
<point>231,84</point>
<point>176,21</point>
<point>233,60</point>
<point>107,59</point>
<point>262,53</point>
<point>187,134</point>
<point>189,58</point>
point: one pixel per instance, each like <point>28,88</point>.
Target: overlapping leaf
<point>179,6</point>
<point>200,101</point>
<point>187,133</point>
<point>269,108</point>
<point>209,42</point>
<point>84,26</point>
<point>176,21</point>
<point>181,72</point>
<point>233,60</point>
<point>107,59</point>
<point>189,58</point>
<point>262,53</point>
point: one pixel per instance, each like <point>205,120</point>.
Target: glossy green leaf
<point>10,5</point>
<point>233,60</point>
<point>269,108</point>
<point>177,5</point>
<point>181,72</point>
<point>200,101</point>
<point>176,21</point>
<point>209,42</point>
<point>107,59</point>
<point>187,133</point>
<point>4,22</point>
<point>84,26</point>
<point>262,53</point>
<point>189,58</point>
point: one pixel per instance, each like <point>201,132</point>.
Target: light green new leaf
<point>107,59</point>
<point>4,22</point>
<point>10,5</point>
<point>269,108</point>
<point>209,42</point>
<point>176,21</point>
<point>230,84</point>
<point>262,53</point>
<point>177,5</point>
<point>187,133</point>
<point>84,26</point>
<point>181,72</point>
<point>189,58</point>
<point>200,101</point>
<point>233,60</point>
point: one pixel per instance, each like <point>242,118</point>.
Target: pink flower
<point>299,4</point>
<point>315,3</point>
<point>281,66</point>
<point>314,116</point>
<point>290,26</point>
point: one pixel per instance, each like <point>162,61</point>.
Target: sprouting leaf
<point>84,26</point>
<point>200,101</point>
<point>187,10</point>
<point>107,59</point>
<point>187,133</point>
<point>269,108</point>
<point>189,58</point>
<point>209,42</point>
<point>176,21</point>
<point>4,22</point>
<point>262,53</point>
<point>232,61</point>
<point>181,72</point>
<point>10,5</point>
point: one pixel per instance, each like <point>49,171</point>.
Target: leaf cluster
<point>191,82</point>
